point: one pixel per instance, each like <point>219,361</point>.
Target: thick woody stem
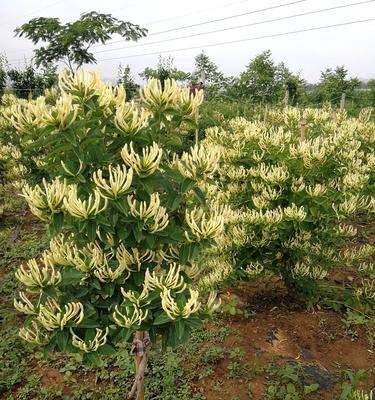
<point>141,347</point>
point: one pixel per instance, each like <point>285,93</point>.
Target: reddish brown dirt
<point>285,334</point>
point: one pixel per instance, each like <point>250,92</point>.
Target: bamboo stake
<point>342,102</point>
<point>303,129</point>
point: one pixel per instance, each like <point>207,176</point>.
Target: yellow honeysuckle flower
<point>83,209</point>
<point>52,317</point>
<point>202,225</point>
<point>33,334</point>
<point>294,213</point>
<point>47,199</point>
<point>36,278</point>
<point>130,119</point>
<point>120,180</point>
<point>171,308</point>
<point>62,114</point>
<point>155,216</point>
<point>131,319</point>
<point>82,82</point>
<point>106,274</point>
<point>188,103</point>
<point>202,161</point>
<point>146,164</point>
<point>139,299</point>
<point>24,305</point>
<point>100,339</point>
<point>172,280</point>
<point>153,95</point>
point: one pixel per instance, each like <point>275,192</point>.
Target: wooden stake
<point>342,102</point>
<point>303,129</point>
<point>286,98</point>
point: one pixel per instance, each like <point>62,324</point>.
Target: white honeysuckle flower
<point>88,258</point>
<point>305,269</point>
<point>254,269</point>
<point>119,182</point>
<point>36,278</point>
<point>99,340</point>
<point>33,334</point>
<point>295,213</point>
<point>62,114</point>
<point>203,226</point>
<point>132,318</point>
<point>192,271</point>
<point>274,174</point>
<point>147,163</point>
<point>213,303</point>
<point>316,190</point>
<point>202,161</point>
<point>351,204</point>
<point>153,95</point>
<point>172,309</point>
<point>274,140</point>
<point>260,202</point>
<point>24,305</point>
<point>298,185</point>
<point>83,209</point>
<point>367,267</point>
<point>84,82</point>
<point>132,257</point>
<point>49,198</point>
<point>51,316</point>
<point>347,230</point>
<point>269,193</point>
<point>139,299</point>
<point>367,289</point>
<point>129,119</point>
<point>258,156</point>
<point>172,280</point>
<point>106,274</point>
<point>188,103</point>
<point>71,173</point>
<point>61,250</point>
<point>354,181</point>
<point>153,214</point>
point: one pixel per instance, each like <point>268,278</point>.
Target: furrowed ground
<point>263,345</point>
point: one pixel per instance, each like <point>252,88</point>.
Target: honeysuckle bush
<point>126,214</point>
<point>292,199</point>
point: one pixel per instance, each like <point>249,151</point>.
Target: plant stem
<point>138,388</point>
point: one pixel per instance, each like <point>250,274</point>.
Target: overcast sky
<point>307,53</point>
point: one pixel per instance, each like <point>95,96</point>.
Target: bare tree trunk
<point>140,349</point>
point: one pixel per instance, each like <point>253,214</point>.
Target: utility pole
<point>203,81</point>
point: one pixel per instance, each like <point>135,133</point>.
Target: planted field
<point>238,268</point>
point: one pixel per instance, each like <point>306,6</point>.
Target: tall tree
<point>333,83</point>
<point>165,69</point>
<point>126,79</point>
<point>214,78</point>
<point>3,75</point>
<point>28,82</point>
<point>70,42</point>
<point>266,82</point>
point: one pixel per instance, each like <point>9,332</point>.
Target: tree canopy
<point>70,42</point>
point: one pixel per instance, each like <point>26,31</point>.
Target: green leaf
<point>180,328</point>
<point>200,196</point>
<point>91,230</point>
<point>106,350</point>
<point>62,338</point>
<point>311,388</point>
<point>71,276</point>
<point>186,185</point>
<point>161,319</point>
<point>58,221</point>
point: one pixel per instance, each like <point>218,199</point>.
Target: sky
<point>306,53</point>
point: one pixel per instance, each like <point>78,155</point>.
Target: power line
<point>195,13</point>
<point>241,40</point>
<point>239,26</point>
<point>218,19</point>
<point>35,11</point>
